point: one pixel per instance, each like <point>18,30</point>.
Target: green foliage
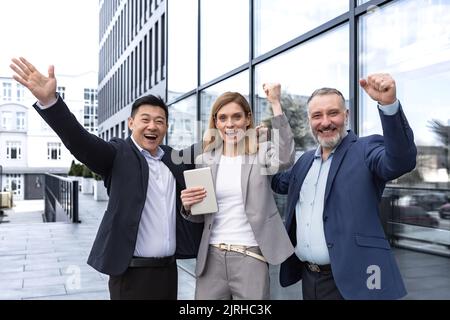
<point>87,173</point>
<point>76,169</point>
<point>294,107</point>
<point>72,168</point>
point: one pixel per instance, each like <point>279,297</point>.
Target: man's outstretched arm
<point>87,148</point>
<point>396,154</point>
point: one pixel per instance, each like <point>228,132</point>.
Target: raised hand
<point>273,93</point>
<point>42,87</point>
<point>380,87</point>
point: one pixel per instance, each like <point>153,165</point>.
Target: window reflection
<point>360,2</point>
<point>411,40</point>
<point>183,130</point>
<point>300,71</point>
<point>420,63</point>
<point>224,36</point>
<point>277,22</point>
<point>182,41</point>
<point>237,83</point>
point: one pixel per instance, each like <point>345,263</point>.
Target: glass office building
<point>190,51</point>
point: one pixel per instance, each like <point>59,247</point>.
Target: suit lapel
<point>298,181</point>
<point>212,160</point>
<point>246,168</point>
<point>177,170</point>
<point>338,157</point>
<point>143,164</point>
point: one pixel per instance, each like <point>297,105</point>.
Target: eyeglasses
<point>234,118</point>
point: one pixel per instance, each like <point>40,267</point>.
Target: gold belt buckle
<point>224,246</point>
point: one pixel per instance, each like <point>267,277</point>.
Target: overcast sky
<point>59,32</point>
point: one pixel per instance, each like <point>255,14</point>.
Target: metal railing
<point>417,218</point>
<point>61,199</point>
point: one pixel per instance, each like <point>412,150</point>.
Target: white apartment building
<point>28,146</point>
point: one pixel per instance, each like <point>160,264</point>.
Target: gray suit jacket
<point>260,207</point>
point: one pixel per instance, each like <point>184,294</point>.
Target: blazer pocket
<point>373,242</point>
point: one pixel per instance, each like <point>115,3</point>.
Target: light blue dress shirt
<point>311,242</point>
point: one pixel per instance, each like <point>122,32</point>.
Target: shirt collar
<point>159,155</point>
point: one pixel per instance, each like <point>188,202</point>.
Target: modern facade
<point>190,51</point>
<point>29,148</point>
<point>132,59</point>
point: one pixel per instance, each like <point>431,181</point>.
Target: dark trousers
<point>145,283</point>
<point>319,285</point>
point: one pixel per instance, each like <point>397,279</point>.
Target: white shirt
<point>157,227</point>
<point>231,225</point>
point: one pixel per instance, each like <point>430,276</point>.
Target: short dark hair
<point>326,91</point>
<point>152,100</point>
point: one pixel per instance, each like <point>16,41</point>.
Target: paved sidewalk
<point>48,261</point>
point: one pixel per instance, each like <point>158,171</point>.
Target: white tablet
<point>202,178</point>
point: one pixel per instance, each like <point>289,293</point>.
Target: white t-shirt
<point>231,225</point>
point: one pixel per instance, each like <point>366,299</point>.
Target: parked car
<point>414,215</point>
<point>444,211</point>
<point>430,201</point>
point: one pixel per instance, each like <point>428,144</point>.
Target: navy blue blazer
<point>125,173</point>
<point>353,231</point>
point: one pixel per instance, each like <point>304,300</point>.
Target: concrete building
<point>132,59</point>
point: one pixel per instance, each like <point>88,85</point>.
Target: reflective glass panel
<point>224,36</point>
<point>277,22</point>
<point>182,42</point>
<point>183,125</point>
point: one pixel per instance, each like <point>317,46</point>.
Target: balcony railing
<point>61,199</point>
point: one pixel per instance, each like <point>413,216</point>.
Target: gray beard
<point>331,143</point>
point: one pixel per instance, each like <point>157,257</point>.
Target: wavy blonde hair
<point>212,138</point>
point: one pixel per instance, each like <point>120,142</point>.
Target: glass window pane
<point>238,83</point>
<point>224,36</point>
<point>277,22</point>
<point>360,2</point>
<point>300,71</point>
<point>183,128</point>
<point>182,66</point>
<point>411,40</point>
<point>420,65</point>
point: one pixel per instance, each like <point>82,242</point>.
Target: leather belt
<point>138,262</point>
<point>318,268</point>
<point>240,249</point>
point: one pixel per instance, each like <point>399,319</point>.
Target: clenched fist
<point>380,87</point>
<point>273,93</point>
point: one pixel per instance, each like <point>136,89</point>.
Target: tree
<point>87,173</point>
<point>294,107</point>
<point>76,169</point>
<point>443,134</point>
<point>441,130</point>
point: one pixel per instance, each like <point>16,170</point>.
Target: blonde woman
<point>246,233</point>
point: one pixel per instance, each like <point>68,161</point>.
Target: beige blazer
<point>256,175</point>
